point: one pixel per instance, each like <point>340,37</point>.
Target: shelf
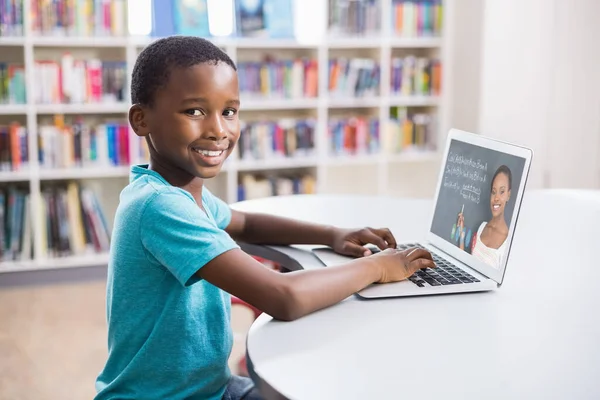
<point>282,163</point>
<point>361,159</point>
<point>67,41</point>
<point>13,109</point>
<point>417,42</point>
<point>143,41</point>
<point>413,101</point>
<point>414,156</point>
<point>257,104</point>
<point>354,102</point>
<point>266,43</point>
<point>88,260</point>
<point>84,173</point>
<point>86,108</point>
<point>14,176</point>
<point>354,42</point>
<point>12,41</point>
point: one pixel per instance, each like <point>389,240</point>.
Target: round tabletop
<point>534,337</point>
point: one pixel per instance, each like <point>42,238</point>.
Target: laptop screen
<point>476,200</point>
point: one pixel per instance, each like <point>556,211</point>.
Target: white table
<point>537,337</point>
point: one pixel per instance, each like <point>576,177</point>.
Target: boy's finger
<point>355,250</point>
<point>387,235</point>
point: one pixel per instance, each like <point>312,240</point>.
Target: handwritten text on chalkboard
<point>464,175</point>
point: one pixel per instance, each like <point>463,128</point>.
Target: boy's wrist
<point>330,235</point>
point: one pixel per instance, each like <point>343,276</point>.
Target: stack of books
<point>297,78</point>
<point>354,17</point>
<point>11,18</point>
<point>79,81</point>
<point>259,186</point>
<point>277,139</point>
<point>78,18</point>
<point>416,76</point>
<point>417,18</point>
<point>409,131</point>
<point>80,144</point>
<point>73,222</point>
<point>358,77</point>
<point>14,148</point>
<point>12,83</point>
<point>354,136</point>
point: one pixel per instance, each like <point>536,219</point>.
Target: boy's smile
<point>193,124</point>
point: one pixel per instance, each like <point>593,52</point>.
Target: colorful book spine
<point>73,222</point>
<point>415,76</point>
<point>78,17</point>
<point>358,77</point>
<point>417,18</point>
<point>14,149</point>
<point>15,225</point>
<point>287,79</point>
<point>12,83</point>
<point>409,131</point>
<point>77,81</point>
<point>354,17</point>
<point>11,18</point>
<point>81,145</point>
<point>254,186</point>
<point>277,139</point>
<point>354,136</point>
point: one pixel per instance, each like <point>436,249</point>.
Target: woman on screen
<point>489,244</point>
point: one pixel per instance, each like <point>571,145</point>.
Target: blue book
<point>163,22</point>
<point>191,17</point>
<point>279,18</point>
<point>251,19</point>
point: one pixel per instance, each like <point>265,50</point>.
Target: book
<point>284,138</point>
<point>408,130</point>
<point>355,77</point>
<point>191,17</point>
<point>73,81</point>
<point>251,18</point>
<point>273,78</point>
<point>255,186</point>
<point>73,221</point>
<point>354,136</point>
<point>80,144</point>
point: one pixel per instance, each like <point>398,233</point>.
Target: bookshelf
<point>374,169</point>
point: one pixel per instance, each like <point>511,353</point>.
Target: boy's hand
<point>398,265</point>
<point>350,242</point>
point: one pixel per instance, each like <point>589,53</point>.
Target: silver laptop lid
<point>478,199</point>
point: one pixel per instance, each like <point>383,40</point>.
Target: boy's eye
<point>230,112</point>
<point>194,112</point>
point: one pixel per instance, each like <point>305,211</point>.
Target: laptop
<point>476,208</point>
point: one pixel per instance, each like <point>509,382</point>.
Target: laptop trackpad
<point>329,257</point>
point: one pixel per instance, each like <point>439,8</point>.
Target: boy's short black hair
<point>503,169</point>
<point>155,62</point>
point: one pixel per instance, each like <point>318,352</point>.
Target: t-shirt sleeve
<point>181,237</point>
<point>219,209</point>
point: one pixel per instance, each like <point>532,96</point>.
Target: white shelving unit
<point>331,172</point>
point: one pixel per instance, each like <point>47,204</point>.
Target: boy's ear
<point>137,120</point>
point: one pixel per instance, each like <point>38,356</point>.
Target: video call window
<point>476,200</point>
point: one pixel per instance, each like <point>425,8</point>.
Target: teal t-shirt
<point>169,333</point>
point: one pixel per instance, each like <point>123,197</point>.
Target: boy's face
<point>193,124</point>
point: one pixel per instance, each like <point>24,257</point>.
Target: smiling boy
<point>174,260</point>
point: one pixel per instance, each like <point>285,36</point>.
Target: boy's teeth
<point>209,153</point>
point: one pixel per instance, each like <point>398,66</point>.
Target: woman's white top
<point>488,255</point>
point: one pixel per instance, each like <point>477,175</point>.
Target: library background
<point>338,97</point>
<point>316,114</point>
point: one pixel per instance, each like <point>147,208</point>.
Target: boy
<point>174,259</point>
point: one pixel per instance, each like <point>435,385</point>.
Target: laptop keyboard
<point>446,273</point>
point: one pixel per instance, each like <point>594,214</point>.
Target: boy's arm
<point>270,229</point>
<point>295,294</point>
